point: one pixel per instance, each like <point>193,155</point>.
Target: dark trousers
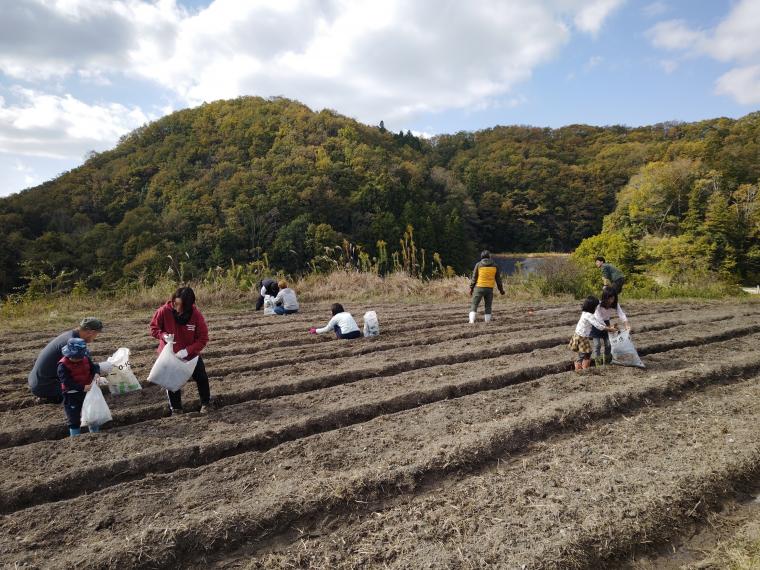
<point>49,394</point>
<point>204,390</point>
<point>618,285</point>
<point>72,405</point>
<point>259,302</point>
<point>347,336</point>
<point>484,293</point>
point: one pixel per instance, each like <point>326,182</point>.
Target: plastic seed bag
<point>268,305</point>
<point>95,411</point>
<point>623,351</point>
<point>121,379</point>
<point>371,324</point>
<point>170,371</point>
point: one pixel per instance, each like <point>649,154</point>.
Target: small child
<point>76,372</point>
<point>608,308</point>
<point>342,323</point>
<point>581,341</point>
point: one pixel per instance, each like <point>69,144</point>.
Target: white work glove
<point>168,338</point>
<point>105,368</point>
<point>101,381</point>
<point>182,354</point>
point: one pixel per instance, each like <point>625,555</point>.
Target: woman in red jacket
<point>181,318</point>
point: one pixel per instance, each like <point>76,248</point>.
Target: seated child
<point>581,341</point>
<point>285,303</point>
<point>342,323</point>
<point>76,372</point>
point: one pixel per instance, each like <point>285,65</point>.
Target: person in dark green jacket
<point>611,275</point>
<point>485,277</point>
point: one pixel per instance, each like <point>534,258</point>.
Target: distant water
<point>508,263</point>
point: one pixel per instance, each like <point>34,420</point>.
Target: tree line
<point>241,179</point>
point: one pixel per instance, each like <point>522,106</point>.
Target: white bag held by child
<point>268,305</point>
<point>121,379</point>
<point>95,410</point>
<point>371,324</point>
<point>169,370</point>
<point>623,351</point>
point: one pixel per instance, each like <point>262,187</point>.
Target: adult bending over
<point>342,323</point>
<point>266,287</point>
<point>181,318</point>
<point>43,379</point>
<point>611,275</point>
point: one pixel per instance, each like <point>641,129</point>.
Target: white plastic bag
<point>121,379</point>
<point>170,371</point>
<point>95,410</point>
<point>268,305</point>
<point>623,351</point>
<point>371,324</point>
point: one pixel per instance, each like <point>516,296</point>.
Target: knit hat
<point>75,348</point>
<point>485,254</point>
<point>91,324</point>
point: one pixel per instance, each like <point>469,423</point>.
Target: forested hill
<point>232,180</point>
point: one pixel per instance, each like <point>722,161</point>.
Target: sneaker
<point>176,411</point>
<point>206,408</point>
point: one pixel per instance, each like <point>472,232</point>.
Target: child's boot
<point>94,429</point>
<point>472,317</point>
<point>586,363</point>
<point>577,366</point>
<point>74,431</point>
<point>488,318</point>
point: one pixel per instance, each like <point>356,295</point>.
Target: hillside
<point>233,180</point>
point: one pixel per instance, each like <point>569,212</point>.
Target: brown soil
<point>436,445</point>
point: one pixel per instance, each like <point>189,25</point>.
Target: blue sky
<point>75,75</point>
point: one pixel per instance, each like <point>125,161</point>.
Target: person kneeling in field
<point>285,303</point>
<point>76,372</point>
<point>342,323</point>
<point>581,341</point>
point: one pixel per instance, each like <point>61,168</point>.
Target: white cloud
<point>369,59</point>
<point>592,14</point>
<point>741,83</point>
<point>62,126</point>
<point>736,40</point>
<point>675,35</point>
<point>669,65</point>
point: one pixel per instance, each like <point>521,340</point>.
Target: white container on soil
<point>371,324</point>
<point>268,305</point>
<point>623,351</point>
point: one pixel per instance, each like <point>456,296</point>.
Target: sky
<point>76,75</point>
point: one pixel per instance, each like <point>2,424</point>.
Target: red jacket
<point>193,336</point>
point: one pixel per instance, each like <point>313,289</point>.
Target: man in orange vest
<point>484,277</point>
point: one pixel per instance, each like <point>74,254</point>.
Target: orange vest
<point>486,277</point>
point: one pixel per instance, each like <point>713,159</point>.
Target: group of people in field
<point>591,339</point>
<point>64,370</point>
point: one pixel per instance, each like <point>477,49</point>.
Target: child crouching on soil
<point>342,323</point>
<point>581,341</point>
<point>76,372</point>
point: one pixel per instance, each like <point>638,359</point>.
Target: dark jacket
<point>486,274</point>
<point>43,379</point>
<point>611,273</point>
<point>192,336</point>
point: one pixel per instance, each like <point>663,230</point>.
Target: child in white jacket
<point>581,341</point>
<point>608,308</point>
<point>342,323</point>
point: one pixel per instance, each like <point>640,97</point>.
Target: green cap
<point>91,324</point>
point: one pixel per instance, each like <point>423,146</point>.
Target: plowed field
<point>435,445</point>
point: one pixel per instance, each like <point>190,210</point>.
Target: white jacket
<point>604,314</point>
<point>587,320</point>
<point>287,298</point>
<point>344,320</point>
